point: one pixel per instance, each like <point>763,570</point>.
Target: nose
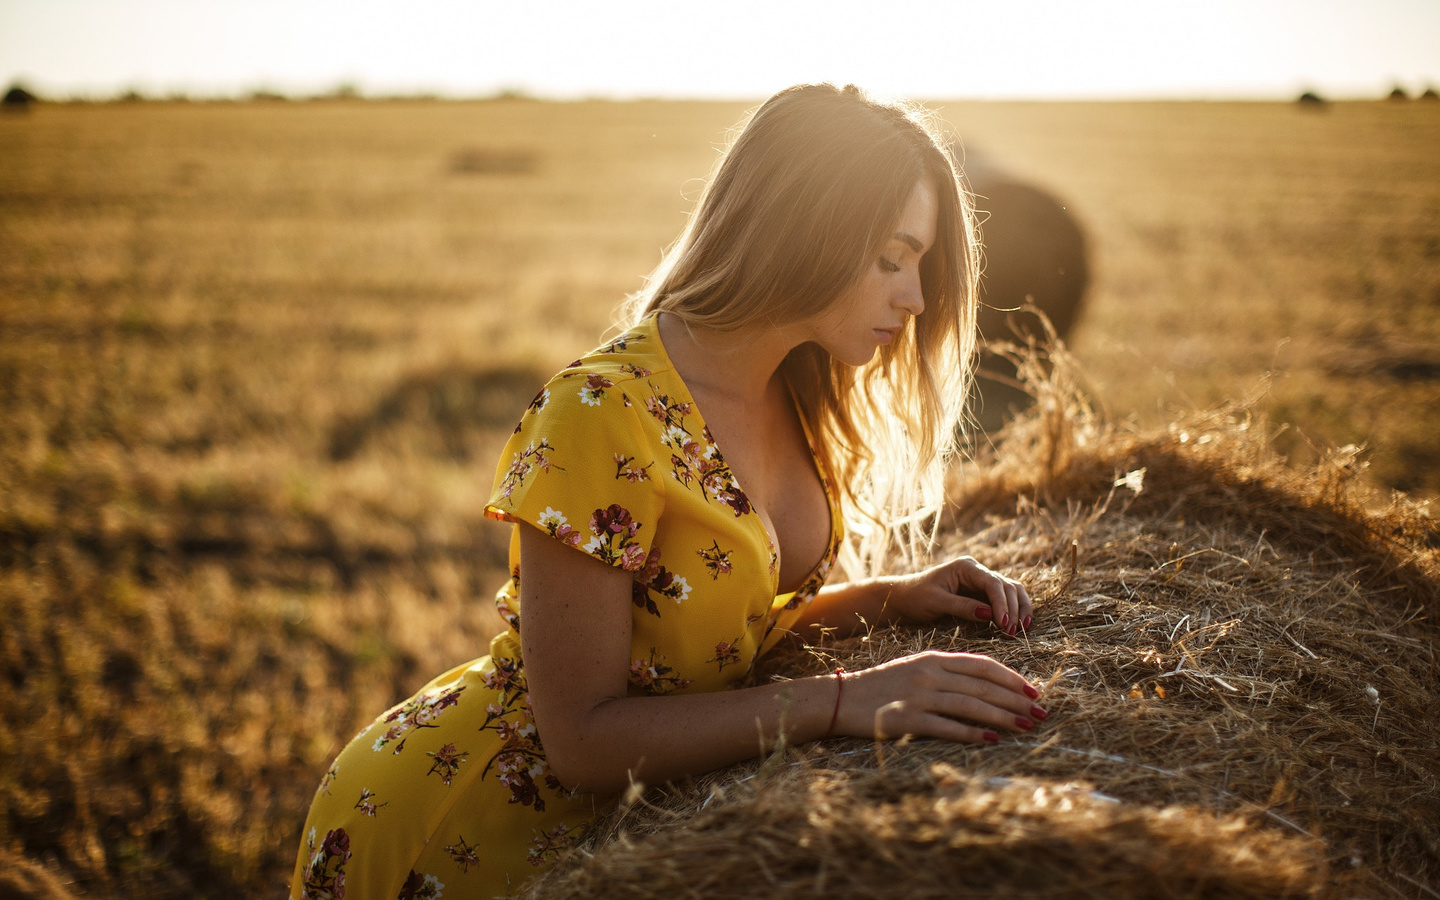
<point>911,296</point>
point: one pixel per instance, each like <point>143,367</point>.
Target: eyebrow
<point>909,240</point>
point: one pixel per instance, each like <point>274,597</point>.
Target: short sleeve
<point>580,469</point>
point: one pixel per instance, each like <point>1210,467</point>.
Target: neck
<point>740,365</point>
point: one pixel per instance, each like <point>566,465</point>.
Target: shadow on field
<point>1379,360</point>
<point>493,161</point>
<point>440,412</point>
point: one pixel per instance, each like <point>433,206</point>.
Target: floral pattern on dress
<point>520,759</point>
<point>717,562</point>
<point>546,846</point>
<point>330,775</point>
<point>367,805</point>
<point>717,479</point>
<point>464,854</point>
<point>671,413</point>
<point>620,343</point>
<point>325,869</point>
<point>654,677</point>
<point>695,459</point>
<point>554,523</point>
<point>532,457</point>
<point>812,585</point>
<point>594,390</point>
<point>632,474</point>
<point>654,577</point>
<point>503,603</point>
<point>727,653</point>
<point>535,406</point>
<point>421,887</point>
<point>418,712</point>
<point>447,762</point>
<point>614,538</point>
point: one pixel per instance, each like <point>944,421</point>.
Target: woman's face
<point>874,309</point>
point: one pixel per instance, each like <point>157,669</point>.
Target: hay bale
<point>939,833</point>
<point>1242,674</point>
<point>1036,272</point>
<point>18,98</point>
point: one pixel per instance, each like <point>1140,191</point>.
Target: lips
<point>885,335</point>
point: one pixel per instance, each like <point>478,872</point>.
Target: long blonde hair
<point>810,189</point>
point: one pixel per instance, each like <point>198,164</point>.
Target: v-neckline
<point>652,324</point>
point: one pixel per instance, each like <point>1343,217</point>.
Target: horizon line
<point>346,92</point>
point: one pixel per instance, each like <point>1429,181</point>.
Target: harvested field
<point>257,361</point>
<point>1241,670</point>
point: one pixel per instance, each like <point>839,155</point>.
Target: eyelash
<point>888,266</point>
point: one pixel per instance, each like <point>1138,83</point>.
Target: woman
<point>816,309</point>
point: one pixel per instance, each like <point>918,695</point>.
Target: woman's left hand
<point>962,588</point>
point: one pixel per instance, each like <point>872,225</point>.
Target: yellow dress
<point>448,793</point>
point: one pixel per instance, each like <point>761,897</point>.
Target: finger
<point>1012,606</point>
<point>1009,614</point>
<point>971,708</point>
<point>1001,613</point>
<point>1027,610</point>
<point>895,720</point>
<point>963,607</point>
<point>984,700</point>
<point>1004,602</point>
<point>972,574</point>
<point>983,667</point>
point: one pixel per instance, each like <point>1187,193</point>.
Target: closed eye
<point>888,266</point>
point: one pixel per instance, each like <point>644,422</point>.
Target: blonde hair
<point>810,189</point>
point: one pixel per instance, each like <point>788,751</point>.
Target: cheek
<point>841,312</point>
<point>876,296</point>
<point>861,293</point>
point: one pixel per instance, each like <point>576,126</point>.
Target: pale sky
<point>737,48</point>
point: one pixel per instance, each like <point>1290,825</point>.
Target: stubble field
<point>256,361</point>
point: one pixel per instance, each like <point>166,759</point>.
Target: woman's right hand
<point>962,697</point>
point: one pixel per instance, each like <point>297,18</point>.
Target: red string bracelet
<point>839,692</point>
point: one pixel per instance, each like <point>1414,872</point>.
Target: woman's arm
<point>575,636</point>
<point>962,588</point>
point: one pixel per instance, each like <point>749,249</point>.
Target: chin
<point>851,354</point>
<point>856,358</point>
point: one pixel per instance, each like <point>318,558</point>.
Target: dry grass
<point>935,832</point>
<point>256,361</point>
<point>1243,248</point>
<point>1241,664</point>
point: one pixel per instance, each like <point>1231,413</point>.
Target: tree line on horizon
<point>21,95</point>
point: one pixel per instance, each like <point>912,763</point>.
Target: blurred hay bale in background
<point>1036,271</point>
<point>1241,671</point>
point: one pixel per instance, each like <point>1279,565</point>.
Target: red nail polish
<point>1005,621</point>
<point>1032,693</point>
<point>1039,713</point>
<point>1023,723</point>
<point>1026,624</point>
<point>983,613</point>
<point>991,736</point>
